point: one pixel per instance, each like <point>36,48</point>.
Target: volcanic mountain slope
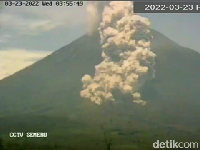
<point>52,86</point>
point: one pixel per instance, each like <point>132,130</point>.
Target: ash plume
<point>94,15</point>
<point>128,61</point>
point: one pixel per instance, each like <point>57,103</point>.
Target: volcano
<point>51,87</point>
<point>54,83</point>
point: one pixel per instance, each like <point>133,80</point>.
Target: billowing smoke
<point>128,61</point>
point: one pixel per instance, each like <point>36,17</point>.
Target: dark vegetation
<point>45,98</point>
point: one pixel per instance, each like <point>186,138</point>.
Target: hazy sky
<point>27,34</point>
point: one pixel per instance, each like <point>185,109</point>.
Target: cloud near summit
<point>13,60</point>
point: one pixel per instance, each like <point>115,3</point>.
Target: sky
<point>28,34</point>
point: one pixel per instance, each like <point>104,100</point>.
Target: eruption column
<point>128,61</point>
